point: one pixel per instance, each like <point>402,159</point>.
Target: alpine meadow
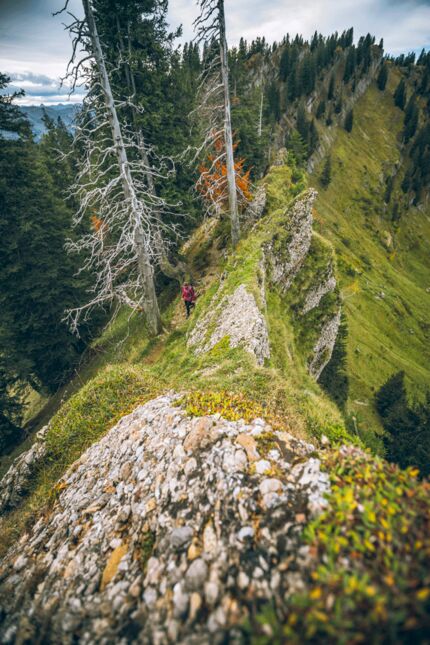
<point>214,323</point>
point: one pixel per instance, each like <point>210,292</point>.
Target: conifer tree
<point>349,65</point>
<point>392,395</point>
<point>382,77</point>
<point>313,137</point>
<point>349,121</point>
<point>339,104</point>
<point>37,278</point>
<point>400,95</point>
<point>298,148</point>
<point>11,407</point>
<point>284,64</point>
<point>302,124</point>
<point>411,120</point>
<point>389,189</point>
<point>320,109</point>
<point>331,88</point>
<point>334,377</point>
<point>326,172</point>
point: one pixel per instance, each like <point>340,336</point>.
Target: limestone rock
<point>15,481</point>
<point>173,553</point>
<point>238,318</point>
<point>323,349</point>
<point>256,207</point>
<point>284,264</point>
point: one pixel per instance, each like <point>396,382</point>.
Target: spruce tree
<point>273,102</point>
<point>400,95</point>
<point>313,138</point>
<point>389,189</point>
<point>331,88</point>
<point>334,377</point>
<point>302,124</point>
<point>411,120</point>
<point>382,77</point>
<point>37,280</point>
<point>349,121</point>
<point>349,64</point>
<point>11,407</point>
<point>339,104</point>
<point>392,396</point>
<point>298,148</point>
<point>407,427</point>
<point>320,109</point>
<point>326,172</point>
<point>284,64</point>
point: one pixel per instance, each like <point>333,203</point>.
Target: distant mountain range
<point>35,113</point>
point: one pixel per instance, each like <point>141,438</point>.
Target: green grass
<point>367,580</point>
<point>81,421</point>
<point>390,333</point>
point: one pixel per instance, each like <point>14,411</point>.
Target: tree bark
<point>175,271</point>
<point>260,119</point>
<point>146,272</point>
<point>231,173</point>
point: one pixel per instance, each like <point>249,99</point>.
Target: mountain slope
<point>384,268</point>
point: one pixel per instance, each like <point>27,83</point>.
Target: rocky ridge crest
<point>169,529</point>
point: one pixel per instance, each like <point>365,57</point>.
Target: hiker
<point>189,297</point>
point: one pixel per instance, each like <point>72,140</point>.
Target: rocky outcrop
<point>323,349</point>
<point>15,482</point>
<point>171,529</point>
<point>285,262</point>
<point>256,207</point>
<point>300,264</point>
<point>236,317</point>
<point>325,284</point>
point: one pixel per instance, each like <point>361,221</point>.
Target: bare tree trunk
<point>131,84</point>
<point>231,174</point>
<point>260,119</point>
<point>150,304</point>
<point>178,271</point>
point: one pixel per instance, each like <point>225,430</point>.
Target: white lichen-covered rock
<point>323,349</point>
<point>237,317</point>
<point>164,532</point>
<point>15,482</point>
<point>285,263</point>
<point>256,207</point>
<point>325,285</point>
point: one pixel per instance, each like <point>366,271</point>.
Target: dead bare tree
<point>215,98</point>
<point>115,185</point>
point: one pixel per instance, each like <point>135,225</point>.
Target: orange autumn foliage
<point>212,184</point>
<point>98,224</point>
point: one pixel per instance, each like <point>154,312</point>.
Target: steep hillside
<point>383,265</point>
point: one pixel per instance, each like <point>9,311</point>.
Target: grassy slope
<point>391,333</point>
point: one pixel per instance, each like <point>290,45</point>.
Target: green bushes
<point>369,577</point>
<point>93,410</point>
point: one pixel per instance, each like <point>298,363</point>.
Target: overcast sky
<point>34,47</point>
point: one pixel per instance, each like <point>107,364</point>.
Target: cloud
<point>404,24</point>
<point>36,48</point>
<point>32,78</point>
<point>40,88</point>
